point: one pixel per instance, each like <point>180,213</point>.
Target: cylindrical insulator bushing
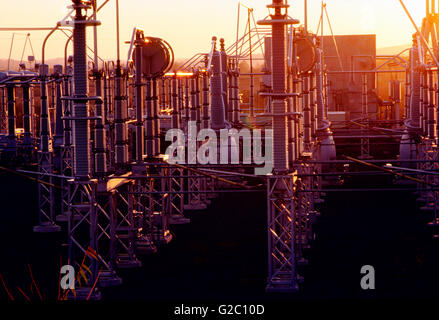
<point>149,121</point>
<point>193,109</point>
<point>236,100</point>
<point>198,102</point>
<point>100,134</point>
<point>312,104</point>
<point>407,94</point>
<point>10,87</point>
<point>187,107</point>
<point>155,108</point>
<point>44,111</point>
<point>180,106</point>
<point>174,101</point>
<point>223,57</point>
<point>140,141</point>
<point>217,106</point>
<point>306,115</point>
<point>81,136</point>
<point>67,113</point>
<point>364,101</point>
<point>415,95</point>
<point>319,91</point>
<point>120,128</point>
<point>431,121</point>
<point>26,115</point>
<point>280,137</point>
<point>206,101</point>
<point>231,97</point>
<point>424,103</point>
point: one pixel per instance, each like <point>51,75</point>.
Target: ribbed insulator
<point>206,101</point>
<point>198,102</point>
<point>140,141</point>
<point>279,106</point>
<point>193,107</point>
<point>59,127</point>
<point>431,121</point>
<point>155,108</point>
<point>424,103</point>
<point>231,93</point>
<point>223,57</point>
<point>26,113</point>
<point>319,89</point>
<point>187,106</point>
<point>100,135</point>
<point>236,100</point>
<point>415,96</point>
<point>312,104</point>
<point>149,121</point>
<point>217,106</point>
<point>11,110</point>
<point>306,115</point>
<point>81,136</point>
<point>364,101</point>
<point>120,128</point>
<point>67,113</point>
<point>174,104</point>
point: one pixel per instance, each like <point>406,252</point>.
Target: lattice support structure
<point>46,196</point>
<point>175,199</point>
<point>281,214</point>
<point>82,226</point>
<point>195,199</point>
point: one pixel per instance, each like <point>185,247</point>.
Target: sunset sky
<point>188,25</point>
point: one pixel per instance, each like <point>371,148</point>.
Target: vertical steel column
<point>206,100</point>
<point>140,140</point>
<point>120,125</point>
<point>186,113</point>
<point>198,100</point>
<point>407,94</point>
<point>415,92</point>
<point>365,142</point>
<point>431,121</point>
<point>175,110</point>
<point>233,71</point>
<point>312,104</point>
<point>149,120</point>
<point>180,107</point>
<point>27,138</point>
<point>59,127</point>
<point>12,138</point>
<point>155,108</point>
<point>100,149</point>
<point>306,114</point>
<point>193,108</point>
<point>3,112</point>
<point>224,71</point>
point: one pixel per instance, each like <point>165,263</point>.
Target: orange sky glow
<point>190,24</point>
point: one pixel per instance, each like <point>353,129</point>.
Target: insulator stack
<point>81,131</point>
<point>279,105</point>
<point>44,112</point>
<point>27,139</point>
<point>217,119</point>
<point>149,120</point>
<point>10,88</point>
<point>415,90</point>
<point>206,100</point>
